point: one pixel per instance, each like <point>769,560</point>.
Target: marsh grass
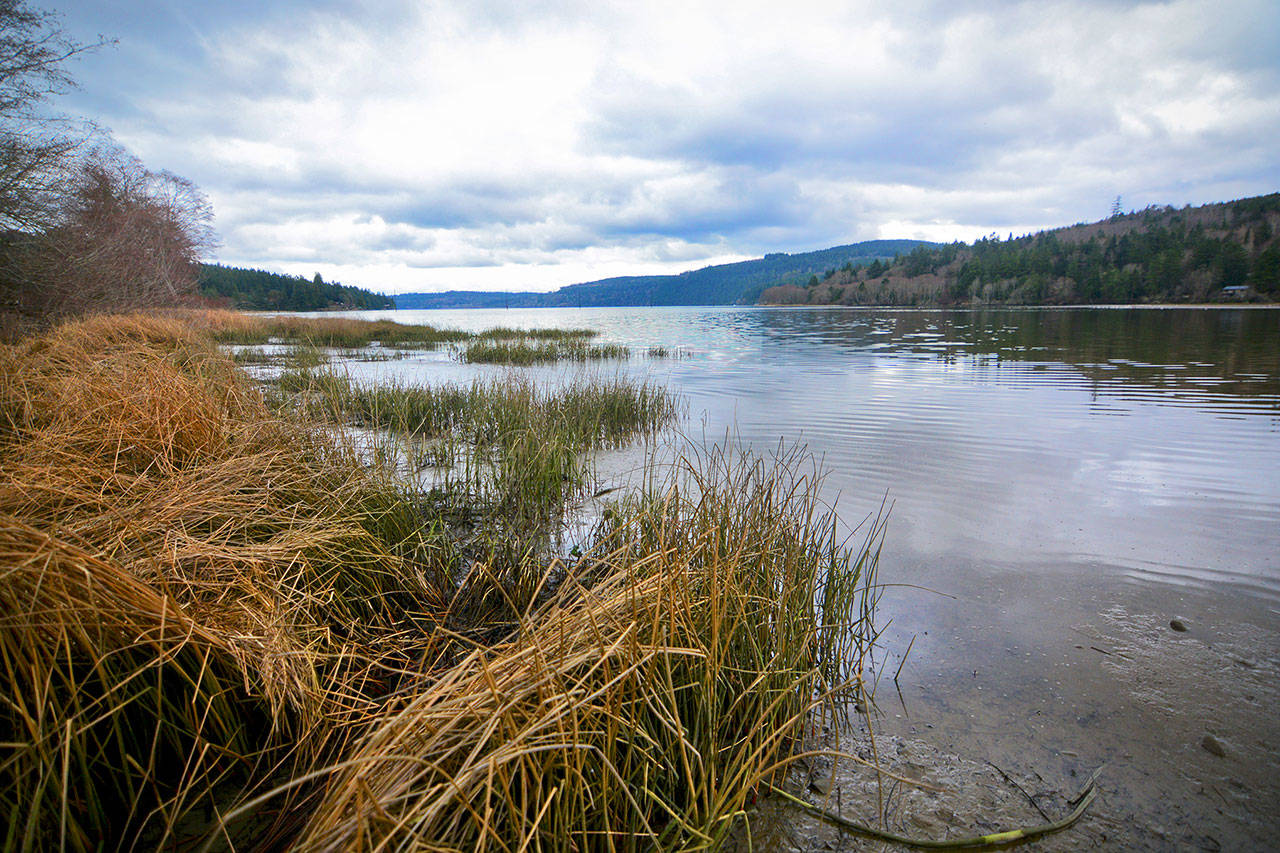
<point>672,670</point>
<point>233,327</point>
<point>505,333</point>
<point>349,332</point>
<point>499,345</point>
<point>535,351</point>
<point>502,443</point>
<point>194,592</point>
<point>374,354</point>
<point>332,332</point>
<point>305,356</point>
<point>256,356</point>
<point>221,624</point>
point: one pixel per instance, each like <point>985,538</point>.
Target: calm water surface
<point>1066,481</point>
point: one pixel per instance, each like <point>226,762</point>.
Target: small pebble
<point>1213,746</point>
<point>820,784</point>
<point>1177,625</point>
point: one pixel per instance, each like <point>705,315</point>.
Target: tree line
<point>259,290</point>
<point>739,283</point>
<point>1216,252</point>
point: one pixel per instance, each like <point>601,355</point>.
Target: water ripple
<point>1147,440</point>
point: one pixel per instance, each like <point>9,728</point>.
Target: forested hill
<point>1217,252</point>
<point>259,290</point>
<point>723,284</point>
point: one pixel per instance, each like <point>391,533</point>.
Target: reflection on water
<point>1181,355</point>
<point>1049,469</point>
<point>1147,440</point>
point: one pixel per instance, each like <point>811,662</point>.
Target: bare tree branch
<point>34,144</point>
<point>126,237</point>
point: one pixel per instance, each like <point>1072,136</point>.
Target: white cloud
<point>495,144</point>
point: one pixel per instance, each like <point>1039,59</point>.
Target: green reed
<point>524,352</point>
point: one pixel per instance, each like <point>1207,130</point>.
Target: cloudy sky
<point>528,144</point>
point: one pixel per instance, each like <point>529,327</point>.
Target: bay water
<point>1065,486</point>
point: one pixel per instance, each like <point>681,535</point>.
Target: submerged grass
<point>220,625</point>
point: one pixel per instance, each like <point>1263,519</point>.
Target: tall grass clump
<point>523,352</point>
<point>499,333</point>
<point>523,448</point>
<point>673,669</point>
<point>196,597</point>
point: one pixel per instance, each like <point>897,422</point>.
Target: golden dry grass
<point>218,626</point>
<point>162,528</point>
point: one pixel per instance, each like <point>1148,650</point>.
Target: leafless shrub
<point>80,231</point>
<point>123,237</point>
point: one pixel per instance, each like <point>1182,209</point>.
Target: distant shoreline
<point>994,307</point>
<point>1004,307</point>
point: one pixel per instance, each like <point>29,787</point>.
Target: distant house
<point>1235,291</point>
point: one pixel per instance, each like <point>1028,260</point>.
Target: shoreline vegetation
<point>386,339</point>
<point>259,290</point>
<point>1222,253</point>
<point>324,614</point>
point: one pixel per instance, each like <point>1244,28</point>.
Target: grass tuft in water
<point>505,333</point>
<point>521,450</point>
<point>522,352</point>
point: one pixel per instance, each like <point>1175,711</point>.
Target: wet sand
<point>1011,720</point>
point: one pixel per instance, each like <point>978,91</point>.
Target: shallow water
<point>1066,481</point>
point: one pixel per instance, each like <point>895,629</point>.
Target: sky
<point>525,145</point>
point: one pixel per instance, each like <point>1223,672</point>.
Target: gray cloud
<point>500,143</point>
